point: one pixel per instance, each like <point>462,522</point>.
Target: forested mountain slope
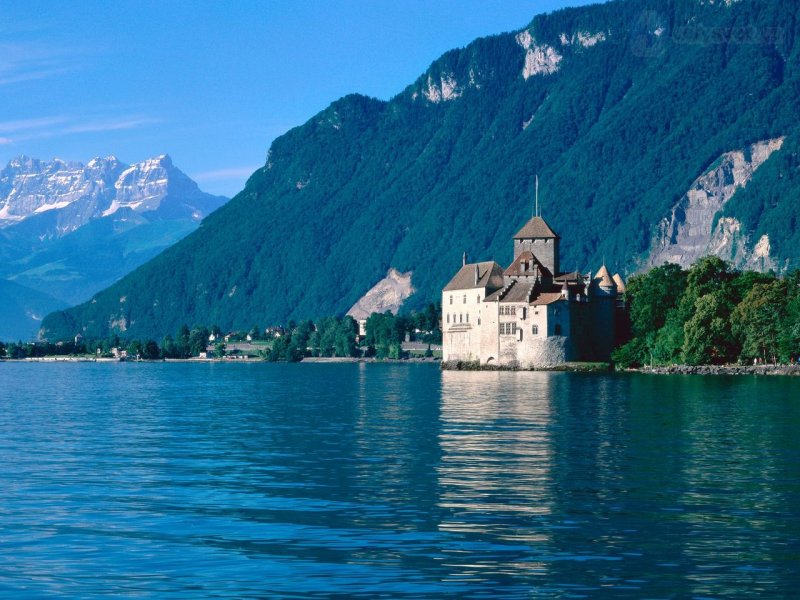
<point>620,108</point>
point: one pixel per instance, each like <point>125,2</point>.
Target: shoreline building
<point>530,314</point>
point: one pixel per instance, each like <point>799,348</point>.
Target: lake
<point>398,481</point>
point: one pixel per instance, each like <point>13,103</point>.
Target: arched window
<point>535,330</point>
<point>451,298</point>
<point>460,318</point>
<point>465,298</point>
<point>478,299</point>
<point>448,317</point>
<point>467,317</point>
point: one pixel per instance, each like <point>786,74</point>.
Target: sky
<point>213,83</point>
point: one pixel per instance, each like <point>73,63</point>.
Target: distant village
<point>380,336</point>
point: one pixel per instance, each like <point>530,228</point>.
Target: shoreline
<point>570,367</point>
<point>787,370</point>
<point>575,367</point>
<point>310,360</point>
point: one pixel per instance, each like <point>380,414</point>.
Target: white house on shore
<point>530,314</point>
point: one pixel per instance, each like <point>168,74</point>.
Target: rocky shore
<point>723,370</point>
<point>572,367</point>
<point>362,359</point>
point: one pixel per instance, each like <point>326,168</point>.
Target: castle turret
<point>603,283</point>
<point>603,291</point>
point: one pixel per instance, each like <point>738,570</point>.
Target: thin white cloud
<point>109,125</point>
<point>7,127</point>
<point>5,140</point>
<point>56,126</point>
<point>19,77</point>
<point>26,61</point>
<point>226,174</point>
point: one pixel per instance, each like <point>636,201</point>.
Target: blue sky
<point>213,83</point>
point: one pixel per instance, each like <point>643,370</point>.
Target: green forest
<point>617,135</point>
<point>711,314</point>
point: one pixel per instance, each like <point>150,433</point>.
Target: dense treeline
<point>328,337</point>
<point>711,314</point>
<point>332,336</point>
<point>617,135</point>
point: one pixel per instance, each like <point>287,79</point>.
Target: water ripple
<point>304,481</point>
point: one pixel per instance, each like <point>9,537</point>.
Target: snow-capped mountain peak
<point>74,194</point>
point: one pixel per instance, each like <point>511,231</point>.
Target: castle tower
<point>537,237</point>
<point>603,291</point>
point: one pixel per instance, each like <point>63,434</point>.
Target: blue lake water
<point>347,480</point>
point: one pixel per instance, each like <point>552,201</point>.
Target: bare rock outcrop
<point>540,59</point>
<point>388,294</point>
<point>693,230</point>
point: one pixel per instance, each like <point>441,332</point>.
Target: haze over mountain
<point>68,230</point>
<point>659,130</point>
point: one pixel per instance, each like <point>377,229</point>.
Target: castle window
<point>467,317</point>
<point>508,328</point>
<point>479,320</point>
<point>451,298</point>
<point>557,329</point>
<point>478,300</point>
<point>535,330</point>
<point>465,298</point>
<point>460,318</point>
<point>448,317</point>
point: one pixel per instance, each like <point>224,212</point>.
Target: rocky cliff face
<point>388,294</point>
<point>693,228</point>
<point>72,194</point>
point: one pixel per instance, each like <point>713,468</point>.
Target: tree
<point>168,347</point>
<point>182,342</point>
<point>198,340</point>
<point>298,344</point>
<point>2,350</point>
<point>759,318</point>
<point>219,350</point>
<point>280,348</point>
<point>652,299</point>
<point>135,349</point>
<point>789,338</point>
<point>151,351</point>
<point>707,335</point>
<point>345,339</point>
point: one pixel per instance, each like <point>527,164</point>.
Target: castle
<point>531,314</point>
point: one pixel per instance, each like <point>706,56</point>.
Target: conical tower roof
<point>620,283</point>
<point>603,278</point>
